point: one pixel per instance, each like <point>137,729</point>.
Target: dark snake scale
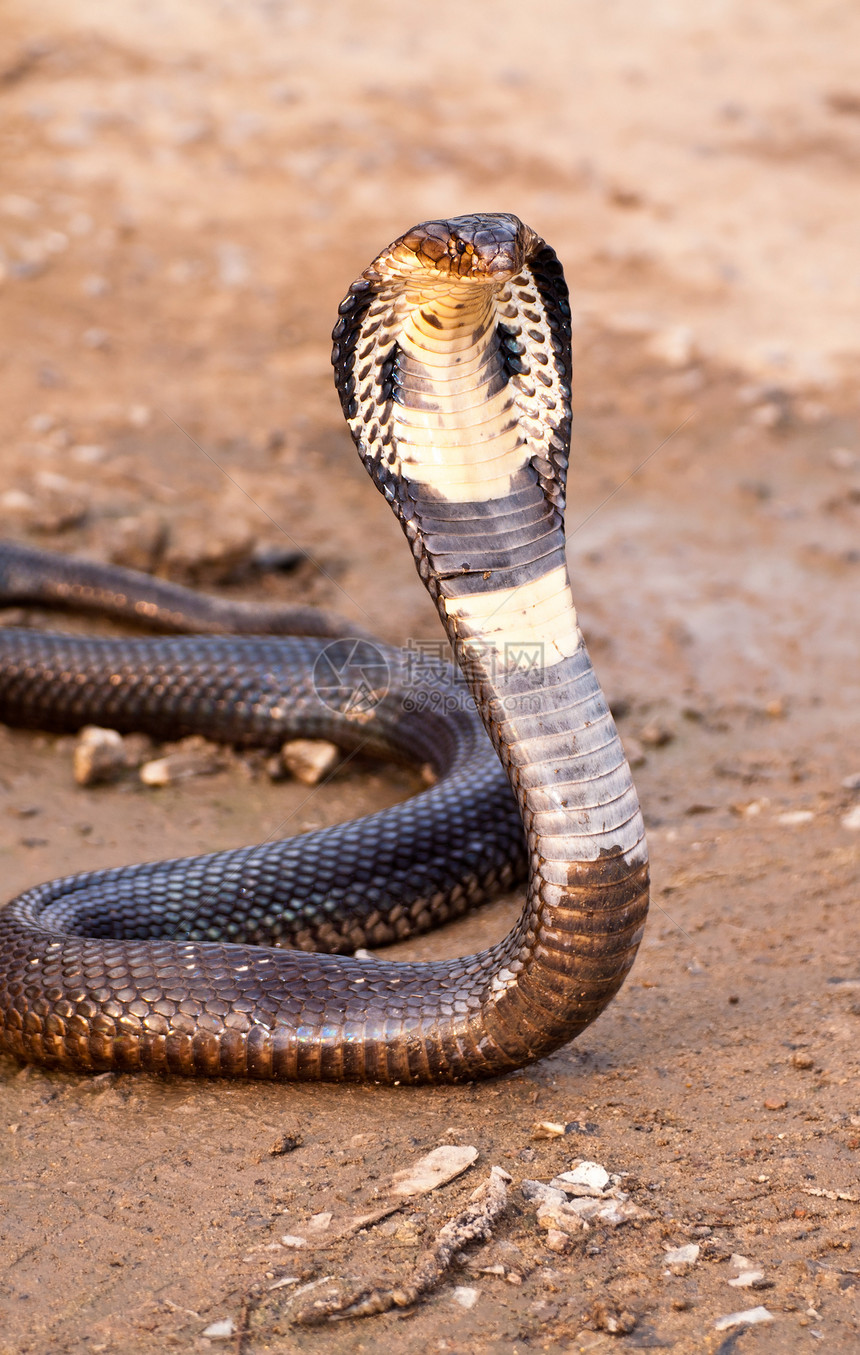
<point>452,362</point>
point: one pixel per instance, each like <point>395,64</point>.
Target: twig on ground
<point>473,1224</point>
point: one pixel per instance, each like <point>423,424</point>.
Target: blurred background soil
<point>187,191</point>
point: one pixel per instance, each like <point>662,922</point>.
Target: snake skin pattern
<point>452,361</point>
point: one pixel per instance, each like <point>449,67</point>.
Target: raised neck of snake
<point>452,359</point>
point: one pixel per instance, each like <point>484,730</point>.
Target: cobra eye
<point>461,247</point>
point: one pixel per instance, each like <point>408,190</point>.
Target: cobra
<point>452,361</point>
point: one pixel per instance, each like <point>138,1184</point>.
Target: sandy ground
<point>187,191</point>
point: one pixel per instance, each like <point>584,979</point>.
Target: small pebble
<point>292,1240</point>
<point>287,1143</point>
<point>557,1241</point>
<point>318,1223</point>
<point>561,1218</point>
<point>675,346</point>
<point>87,453</point>
<point>682,1256</point>
<point>537,1190</point>
<point>221,1331</point>
<point>309,760</point>
<point>99,756</point>
<point>587,1178</point>
<point>769,415</point>
<point>433,1170</point>
<point>616,1321</point>
<point>465,1296</point>
<point>655,734</point>
<point>745,1319</point>
<point>852,782</point>
<point>17,500</point>
<point>800,1059</point>
<point>194,757</point>
<point>137,541</point>
<point>775,1103</point>
<point>851,820</point>
<point>203,556</point>
<point>611,1213</point>
<point>794,817</point>
<point>548,1129</point>
<point>748,1279</point>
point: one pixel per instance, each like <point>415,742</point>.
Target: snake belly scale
<point>452,362</point>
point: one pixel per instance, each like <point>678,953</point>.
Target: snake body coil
<point>452,361</point>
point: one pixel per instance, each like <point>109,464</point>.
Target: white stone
<point>746,1279</point>
<point>748,1318</point>
<point>588,1178</point>
<point>434,1169</point>
<point>466,1297</point>
<point>309,760</point>
<point>221,1331</point>
<point>683,1256</point>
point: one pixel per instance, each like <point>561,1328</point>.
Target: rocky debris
<point>603,1316</point>
<point>502,1259</point>
<point>309,760</point>
<point>549,1129</point>
<point>747,1275</point>
<point>320,1223</point>
<point>655,734</point>
<point>194,756</point>
<point>220,1331</point>
<point>433,1170</point>
<point>465,1295</point>
<point>99,756</point>
<point>286,1143</point>
<point>851,820</point>
<point>474,1223</point>
<point>574,1201</point>
<point>748,1318</point>
<point>680,1259</point>
<point>793,818</point>
<point>53,505</point>
<point>104,755</point>
<point>202,557</point>
<point>676,346</point>
<point>588,1179</point>
<point>137,541</point>
<point>556,1129</point>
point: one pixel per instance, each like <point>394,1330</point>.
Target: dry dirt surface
<point>187,191</point>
